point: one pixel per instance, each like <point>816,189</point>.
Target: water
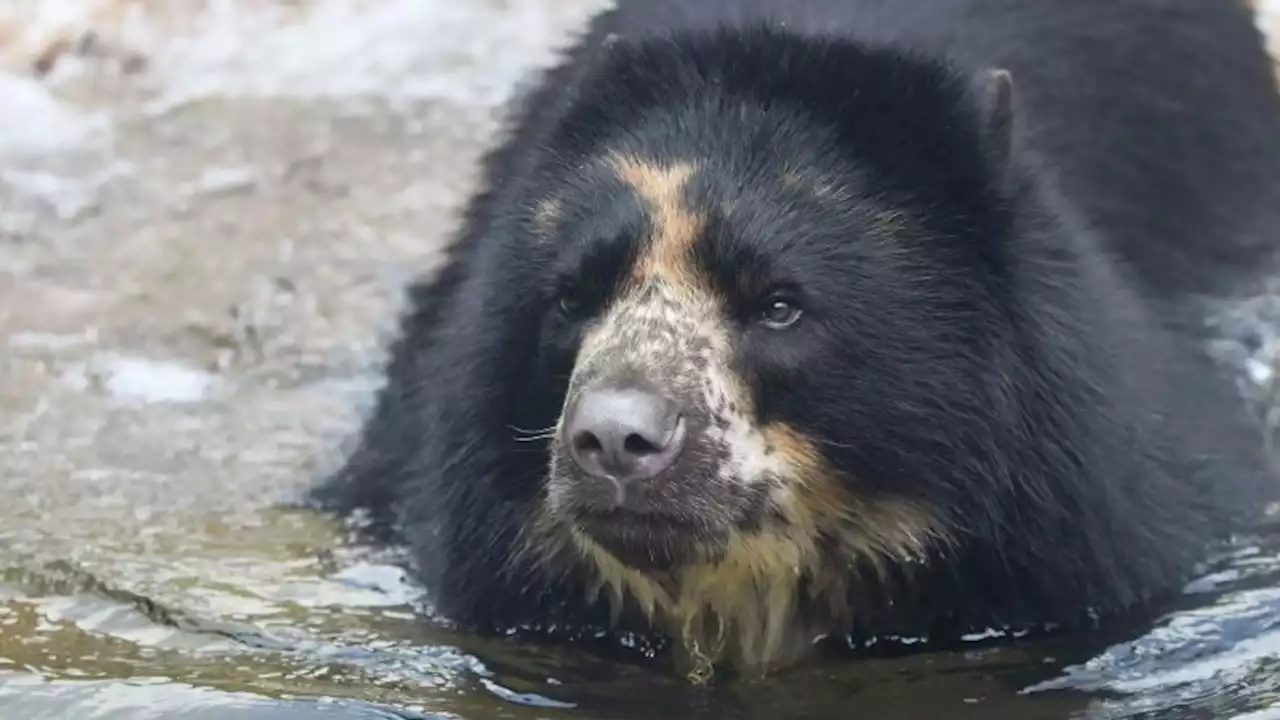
<point>202,242</point>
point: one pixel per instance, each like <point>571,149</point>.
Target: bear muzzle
<point>624,435</point>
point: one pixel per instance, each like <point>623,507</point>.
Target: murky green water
<point>192,307</point>
<point>256,616</point>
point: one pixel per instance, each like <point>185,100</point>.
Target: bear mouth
<point>648,541</point>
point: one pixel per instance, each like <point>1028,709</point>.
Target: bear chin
<point>650,543</point>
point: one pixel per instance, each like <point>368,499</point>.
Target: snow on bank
<point>33,122</point>
<point>1268,14</point>
<point>34,128</point>
<point>467,53</point>
<point>139,380</point>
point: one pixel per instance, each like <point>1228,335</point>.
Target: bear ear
<point>994,94</point>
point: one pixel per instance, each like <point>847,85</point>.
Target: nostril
<point>636,444</point>
<point>587,443</point>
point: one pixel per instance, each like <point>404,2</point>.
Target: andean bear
<point>789,324</point>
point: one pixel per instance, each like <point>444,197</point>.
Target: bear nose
<point>624,434</point>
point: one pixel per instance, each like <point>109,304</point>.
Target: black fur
<point>1025,356</point>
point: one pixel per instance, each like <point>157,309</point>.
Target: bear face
<point>710,318</point>
<point>755,338</point>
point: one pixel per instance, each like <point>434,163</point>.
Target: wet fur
<point>1011,421</point>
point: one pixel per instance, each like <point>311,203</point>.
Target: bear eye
<point>779,312</point>
<point>568,303</point>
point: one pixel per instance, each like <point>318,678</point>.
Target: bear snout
<point>624,435</point>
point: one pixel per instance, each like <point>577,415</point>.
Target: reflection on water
<point>196,274</point>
